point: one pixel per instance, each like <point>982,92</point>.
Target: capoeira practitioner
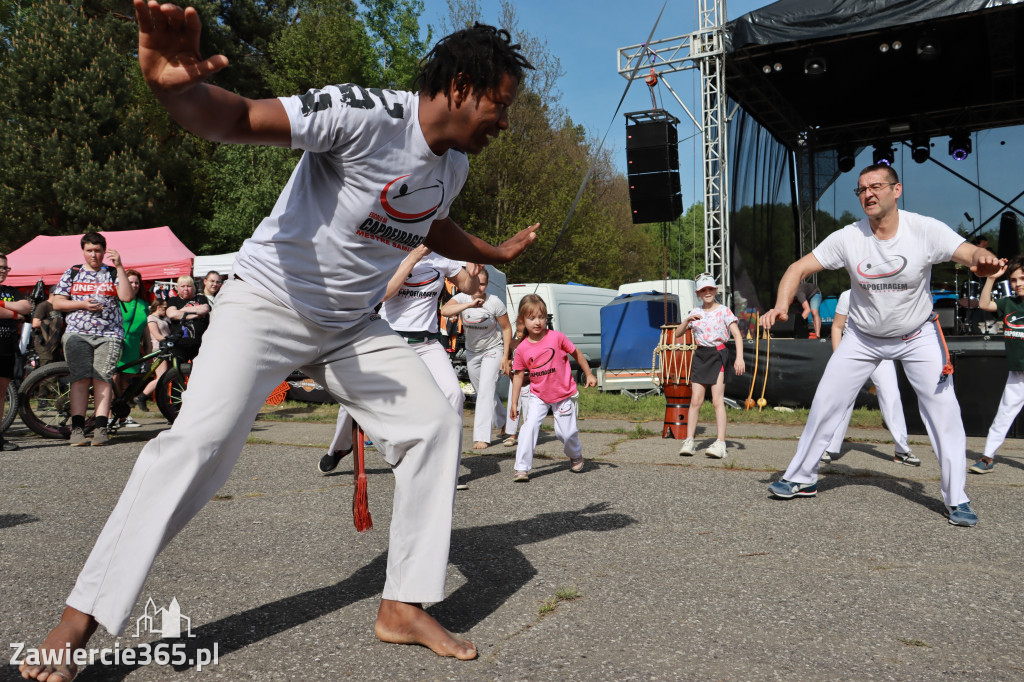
<point>488,354</point>
<point>411,308</point>
<point>380,171</point>
<point>889,257</point>
<point>886,389</point>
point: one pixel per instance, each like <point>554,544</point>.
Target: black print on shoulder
<point>315,100</point>
<point>359,97</point>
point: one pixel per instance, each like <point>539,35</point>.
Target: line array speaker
<point>652,159</point>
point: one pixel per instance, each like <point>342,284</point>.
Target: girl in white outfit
<point>488,340</point>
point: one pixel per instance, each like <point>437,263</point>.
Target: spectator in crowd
<point>158,329</point>
<point>211,285</point>
<point>136,338</point>
<point>13,307</point>
<point>186,302</point>
<point>47,330</point>
<point>92,342</point>
<point>809,296</point>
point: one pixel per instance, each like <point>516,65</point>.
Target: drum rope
<point>761,402</point>
<point>749,402</point>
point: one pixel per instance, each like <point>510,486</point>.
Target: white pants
<point>852,363</point>
<point>253,342</point>
<point>565,429</point>
<point>1009,407</point>
<point>435,357</point>
<point>512,425</point>
<point>484,370</point>
<point>888,391</point>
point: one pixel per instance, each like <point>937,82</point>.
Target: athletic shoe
<point>576,465</point>
<point>140,401</point>
<point>7,446</point>
<point>461,486</point>
<point>521,477</point>
<point>99,436</point>
<point>129,423</point>
<point>788,489</point>
<point>687,448</point>
<point>982,467</point>
<point>78,437</point>
<point>826,457</point>
<point>907,458</point>
<point>716,450</point>
<point>329,462</point>
<point>962,515</point>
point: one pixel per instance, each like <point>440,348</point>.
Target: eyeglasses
<point>875,187</point>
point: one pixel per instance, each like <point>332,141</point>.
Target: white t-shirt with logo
<point>414,307</point>
<point>891,292</point>
<point>481,324</point>
<point>363,195</point>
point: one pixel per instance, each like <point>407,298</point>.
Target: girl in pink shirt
<point>544,354</point>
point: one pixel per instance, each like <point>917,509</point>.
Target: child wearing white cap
<point>711,323</point>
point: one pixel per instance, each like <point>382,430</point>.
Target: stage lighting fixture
<point>846,158</point>
<point>883,48</point>
<point>884,154</point>
<point>815,66</point>
<point>897,45</point>
<point>928,47</point>
<point>766,69</point>
<point>959,146</point>
<point>778,66</point>
<point>920,149</point>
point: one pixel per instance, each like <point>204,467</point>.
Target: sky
<point>586,35</point>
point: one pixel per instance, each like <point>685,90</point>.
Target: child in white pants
<point>1011,309</point>
<point>544,353</point>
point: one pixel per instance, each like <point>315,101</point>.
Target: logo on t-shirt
<point>1014,321</point>
<point>890,267</point>
<point>411,204</point>
<point>422,279</point>
<point>544,358</point>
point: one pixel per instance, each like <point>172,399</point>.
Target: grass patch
<point>253,440</point>
<point>914,642</point>
<point>221,498</point>
<point>562,594</point>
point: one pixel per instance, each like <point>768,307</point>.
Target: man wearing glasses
<point>889,256</point>
<point>13,307</point>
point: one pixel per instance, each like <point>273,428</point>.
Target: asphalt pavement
<point>647,565</point>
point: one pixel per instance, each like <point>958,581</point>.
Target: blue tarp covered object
<point>631,328</point>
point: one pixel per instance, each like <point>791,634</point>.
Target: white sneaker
<point>716,450</point>
<point>687,448</point>
<point>826,457</point>
<point>130,423</point>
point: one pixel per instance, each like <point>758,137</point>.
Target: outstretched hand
<point>511,248</point>
<point>988,265</point>
<point>169,47</point>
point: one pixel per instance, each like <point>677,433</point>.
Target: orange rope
<point>749,402</point>
<point>767,361</point>
<point>947,368</point>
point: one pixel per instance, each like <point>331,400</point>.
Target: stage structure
<point>704,50</point>
<point>829,78</point>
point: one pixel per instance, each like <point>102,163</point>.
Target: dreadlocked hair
<point>477,57</point>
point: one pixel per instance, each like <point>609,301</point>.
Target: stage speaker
<point>1009,239</point>
<point>652,160</point>
<point>947,318</point>
<point>978,380</point>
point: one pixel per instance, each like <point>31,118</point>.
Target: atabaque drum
<point>673,361</point>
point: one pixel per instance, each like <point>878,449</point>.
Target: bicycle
<point>44,399</point>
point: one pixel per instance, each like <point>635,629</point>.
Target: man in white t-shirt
<point>378,175</point>
<point>889,256</point>
<point>411,305</point>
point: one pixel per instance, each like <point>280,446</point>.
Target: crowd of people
<point>100,319</point>
<point>363,223</point>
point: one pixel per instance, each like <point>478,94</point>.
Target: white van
<point>683,288</point>
<point>575,311</point>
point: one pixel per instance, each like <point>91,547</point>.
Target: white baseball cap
<point>703,281</point>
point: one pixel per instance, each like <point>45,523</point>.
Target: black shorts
<point>7,366</point>
<point>708,364</point>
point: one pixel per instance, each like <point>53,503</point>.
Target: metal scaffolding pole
<point>703,50</point>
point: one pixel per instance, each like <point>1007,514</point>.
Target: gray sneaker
<point>908,458</point>
<point>99,436</point>
<point>826,457</point>
<point>687,449</point>
<point>78,437</point>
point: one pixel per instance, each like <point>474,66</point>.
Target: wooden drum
<point>672,360</point>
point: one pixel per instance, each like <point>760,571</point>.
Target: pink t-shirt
<point>547,361</point>
<point>713,326</point>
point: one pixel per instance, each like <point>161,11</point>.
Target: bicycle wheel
<point>169,390</point>
<point>44,401</point>
<point>10,407</point>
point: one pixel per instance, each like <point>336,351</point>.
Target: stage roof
<point>959,67</point>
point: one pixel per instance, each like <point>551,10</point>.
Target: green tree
<point>393,29</point>
<point>77,154</point>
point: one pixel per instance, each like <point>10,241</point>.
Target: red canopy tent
<point>156,253</point>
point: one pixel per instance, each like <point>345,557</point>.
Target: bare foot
<point>71,634</point>
<point>401,623</point>
<point>480,445</point>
